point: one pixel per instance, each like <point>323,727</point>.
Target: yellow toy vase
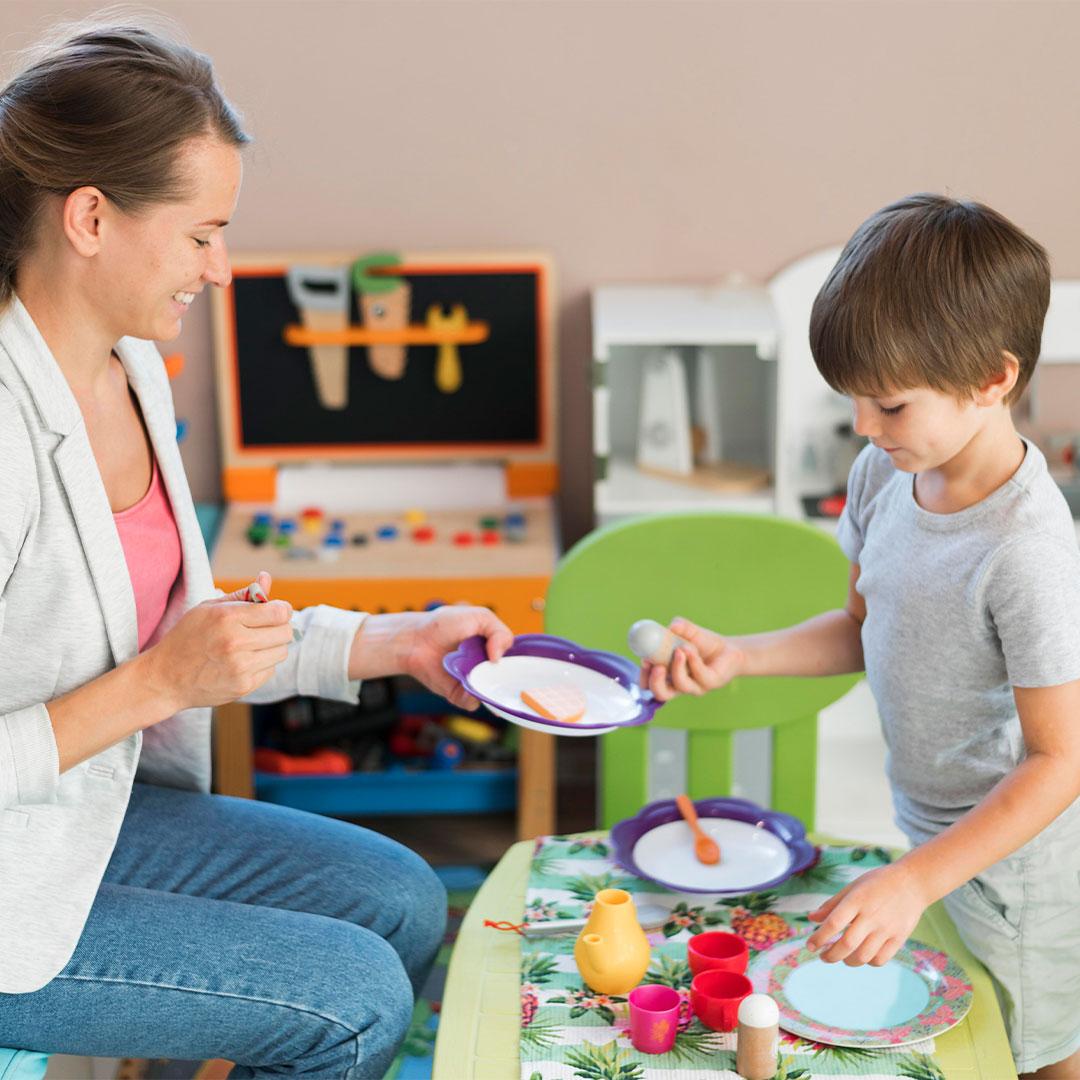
<point>612,951</point>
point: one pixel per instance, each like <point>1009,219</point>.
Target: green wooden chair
<point>737,574</point>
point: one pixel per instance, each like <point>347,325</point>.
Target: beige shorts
<point>1021,918</point>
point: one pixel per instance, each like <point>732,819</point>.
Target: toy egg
<point>758,1037</point>
<point>651,641</point>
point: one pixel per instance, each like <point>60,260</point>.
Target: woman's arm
<point>414,643</point>
<point>218,651</point>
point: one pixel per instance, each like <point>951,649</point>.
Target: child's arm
<point>880,909</point>
<point>828,644</point>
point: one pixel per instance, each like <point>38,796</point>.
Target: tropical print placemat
<point>570,1033</point>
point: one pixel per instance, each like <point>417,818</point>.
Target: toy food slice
<point>565,704</point>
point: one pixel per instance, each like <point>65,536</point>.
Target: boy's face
<point>919,429</point>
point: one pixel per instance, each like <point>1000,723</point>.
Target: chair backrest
<point>736,574</point>
<point>22,1064</point>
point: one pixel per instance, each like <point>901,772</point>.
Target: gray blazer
<point>67,615</point>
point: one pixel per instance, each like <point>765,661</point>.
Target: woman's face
<point>153,264</point>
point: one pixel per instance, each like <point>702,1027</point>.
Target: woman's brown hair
<point>109,107</point>
<point>929,292</point>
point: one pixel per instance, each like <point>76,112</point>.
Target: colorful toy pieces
<point>612,954</point>
<point>314,534</point>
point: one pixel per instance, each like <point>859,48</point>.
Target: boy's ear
<point>998,387</point>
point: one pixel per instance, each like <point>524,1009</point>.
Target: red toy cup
<point>654,1018</point>
<point>717,951</point>
<point>716,997</point>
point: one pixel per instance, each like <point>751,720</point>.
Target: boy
<point>963,609</point>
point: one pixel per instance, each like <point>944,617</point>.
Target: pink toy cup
<point>716,997</point>
<point>654,1018</point>
<point>717,951</point>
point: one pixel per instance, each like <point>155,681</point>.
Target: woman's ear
<point>999,386</point>
<point>82,219</point>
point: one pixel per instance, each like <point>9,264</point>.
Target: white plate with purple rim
<point>759,848</point>
<point>609,682</point>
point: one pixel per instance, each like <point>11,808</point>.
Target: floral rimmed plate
<point>608,681</point>
<point>917,995</point>
<point>759,848</point>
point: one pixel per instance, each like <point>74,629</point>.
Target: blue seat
<point>22,1064</point>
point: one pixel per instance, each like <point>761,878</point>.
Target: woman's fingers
<point>256,616</point>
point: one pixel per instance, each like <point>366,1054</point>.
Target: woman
<point>140,915</point>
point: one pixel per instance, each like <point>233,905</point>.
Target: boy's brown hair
<point>929,292</point>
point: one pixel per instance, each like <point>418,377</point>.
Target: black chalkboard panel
<point>499,401</point>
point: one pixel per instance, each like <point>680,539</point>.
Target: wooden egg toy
<point>651,641</point>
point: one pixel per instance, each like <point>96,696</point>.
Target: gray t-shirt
<point>960,608</point>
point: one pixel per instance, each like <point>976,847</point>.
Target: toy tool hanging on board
<point>384,305</point>
<point>322,295</point>
<point>384,296</point>
<point>448,364</point>
<point>403,497</point>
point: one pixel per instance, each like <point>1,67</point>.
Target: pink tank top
<point>152,549</point>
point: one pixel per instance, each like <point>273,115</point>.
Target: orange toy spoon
<point>705,847</point>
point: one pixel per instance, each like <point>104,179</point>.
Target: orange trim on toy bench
<point>351,450</point>
<point>525,478</point>
<point>474,333</point>
<point>518,601</point>
<point>249,483</point>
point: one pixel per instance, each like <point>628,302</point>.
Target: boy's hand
<point>711,662</point>
<point>875,915</point>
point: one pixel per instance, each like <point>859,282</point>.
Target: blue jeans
<point>288,943</point>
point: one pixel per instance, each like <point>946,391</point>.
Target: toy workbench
<point>388,443</point>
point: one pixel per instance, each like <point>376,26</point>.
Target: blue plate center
<point>861,998</point>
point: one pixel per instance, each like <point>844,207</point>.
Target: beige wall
<point>634,141</point>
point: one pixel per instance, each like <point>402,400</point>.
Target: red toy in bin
<point>324,761</point>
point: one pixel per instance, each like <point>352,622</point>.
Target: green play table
<point>480,1019</point>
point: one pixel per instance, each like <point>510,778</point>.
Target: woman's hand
<point>712,661</point>
<point>435,633</point>
<point>220,650</point>
<point>874,915</point>
<point>414,643</point>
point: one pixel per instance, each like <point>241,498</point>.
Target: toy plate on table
<point>609,682</point>
<point>759,848</point>
<point>918,994</point>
